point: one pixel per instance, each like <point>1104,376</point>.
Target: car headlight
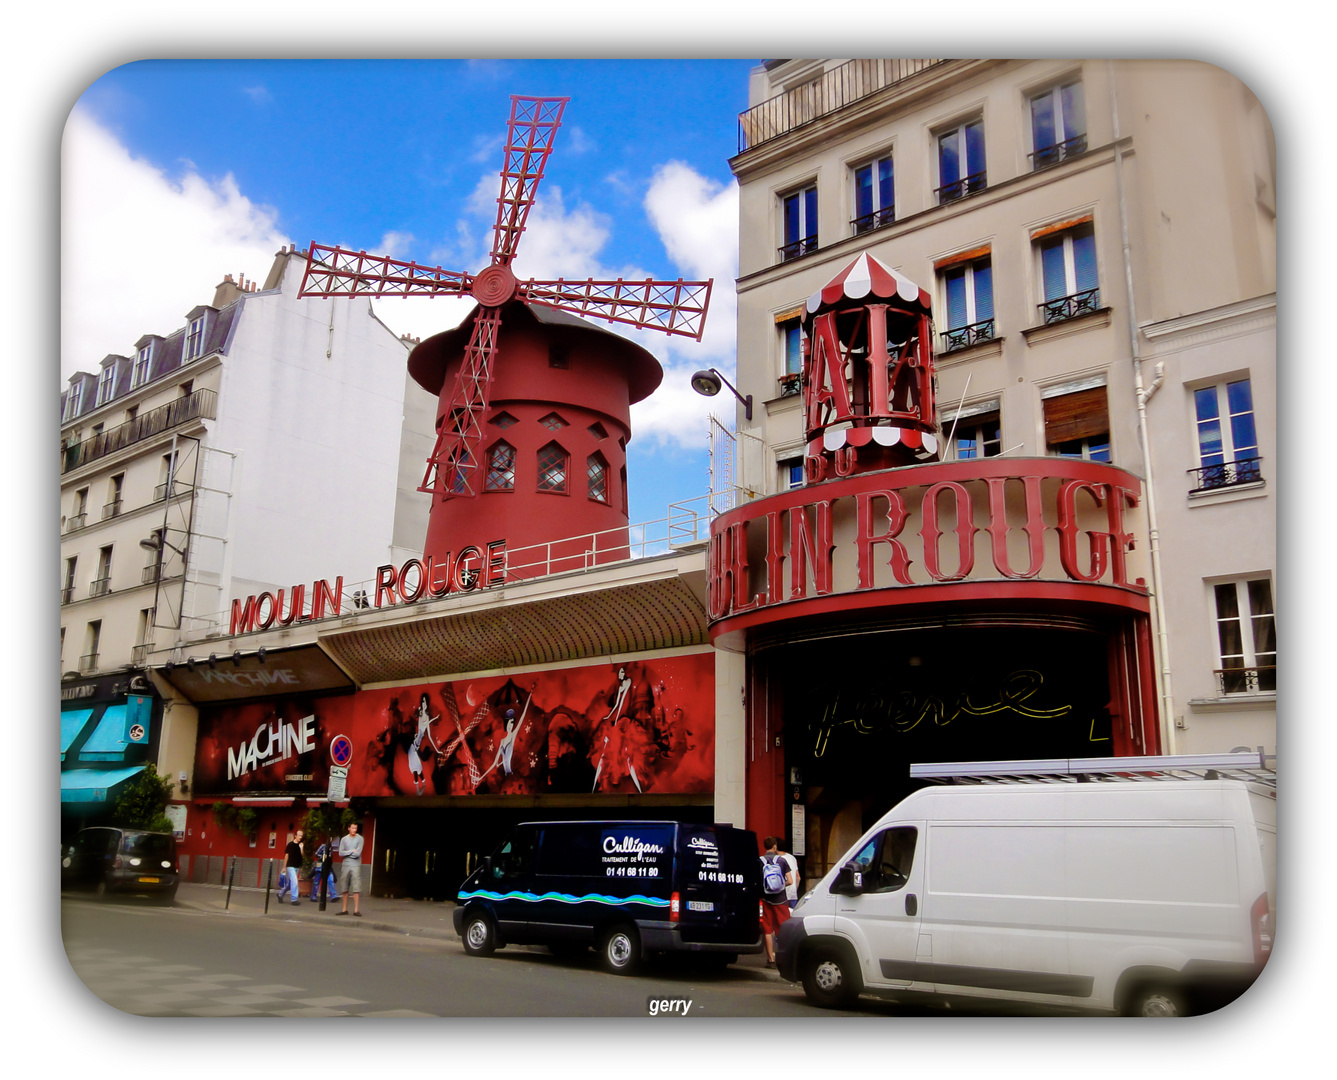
<point>134,862</point>
<point>166,865</point>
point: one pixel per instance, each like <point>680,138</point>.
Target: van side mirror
<point>848,880</point>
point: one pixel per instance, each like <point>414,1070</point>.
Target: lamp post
<point>708,382</point>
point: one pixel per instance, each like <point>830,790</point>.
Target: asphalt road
<point>156,961</point>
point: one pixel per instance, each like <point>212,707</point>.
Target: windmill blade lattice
<point>673,307</point>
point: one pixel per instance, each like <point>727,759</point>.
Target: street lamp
<point>157,542</point>
<point>707,383</point>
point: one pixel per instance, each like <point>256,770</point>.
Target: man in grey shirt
<point>350,870</point>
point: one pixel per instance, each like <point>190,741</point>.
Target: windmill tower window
<point>553,422</point>
<point>597,472</point>
<point>500,468</point>
<point>553,464</point>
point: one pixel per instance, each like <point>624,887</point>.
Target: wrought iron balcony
<point>168,489</point>
<point>875,220</point>
<point>152,573</point>
<point>201,405</point>
<point>111,509</point>
<point>88,663</point>
<point>790,384</point>
<point>67,594</point>
<point>1261,679</point>
<point>140,653</point>
<point>1245,470</point>
<point>959,189</point>
<point>962,337</point>
<point>78,521</point>
<point>100,587</point>
<point>798,247</point>
<point>1052,155</point>
<point>1069,307</point>
<point>824,94</point>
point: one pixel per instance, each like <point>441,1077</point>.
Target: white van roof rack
<point>1256,767</point>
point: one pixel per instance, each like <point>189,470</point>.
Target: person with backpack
<point>775,879</point>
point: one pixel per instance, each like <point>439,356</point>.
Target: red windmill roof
<point>868,277</point>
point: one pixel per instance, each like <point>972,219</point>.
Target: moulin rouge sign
<point>417,579</point>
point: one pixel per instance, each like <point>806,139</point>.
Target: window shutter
<point>1076,416</point>
<point>1084,261</point>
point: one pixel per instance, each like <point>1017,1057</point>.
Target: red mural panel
<point>639,727</point>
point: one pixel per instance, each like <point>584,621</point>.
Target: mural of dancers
<point>425,720</point>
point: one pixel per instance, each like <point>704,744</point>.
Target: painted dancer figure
<point>616,749</point>
<point>513,729</point>
<point>425,721</point>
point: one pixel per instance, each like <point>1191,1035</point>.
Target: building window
<point>598,430</point>
<point>1246,636</point>
<point>194,340</point>
<point>500,468</point>
<point>799,223</point>
<point>553,422</point>
<point>961,161</point>
<point>144,639</point>
<point>791,356</point>
<point>1077,424</point>
<point>1227,437</point>
<point>1058,125</point>
<point>115,486</point>
<point>874,195</point>
<point>968,291</point>
<point>102,583</point>
<point>166,478</point>
<point>1068,274</point>
<point>67,590</point>
<point>79,518</point>
<point>143,363</point>
<point>74,402</point>
<point>106,383</point>
<point>92,641</point>
<point>596,470</point>
<point>504,420</point>
<point>791,474</point>
<point>552,467</point>
<point>976,436</point>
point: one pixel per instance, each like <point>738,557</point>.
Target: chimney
<point>227,291</point>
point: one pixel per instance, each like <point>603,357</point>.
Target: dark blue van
<point>629,888</point>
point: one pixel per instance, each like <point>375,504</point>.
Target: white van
<point>1147,890</point>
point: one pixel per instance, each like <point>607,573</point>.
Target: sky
<point>176,172</point>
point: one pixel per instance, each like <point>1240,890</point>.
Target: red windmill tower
<point>533,412</point>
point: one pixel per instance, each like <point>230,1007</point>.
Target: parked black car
<point>110,860</point>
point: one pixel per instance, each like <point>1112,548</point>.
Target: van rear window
<point>610,851</point>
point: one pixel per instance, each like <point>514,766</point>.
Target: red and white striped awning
<point>868,277</point>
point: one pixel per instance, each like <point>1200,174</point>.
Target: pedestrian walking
<point>792,882</point>
<point>775,878</point>
<point>350,869</point>
<point>292,863</point>
<point>331,893</point>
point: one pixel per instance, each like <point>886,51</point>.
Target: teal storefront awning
<point>121,727</point>
<point>72,722</point>
<point>95,785</point>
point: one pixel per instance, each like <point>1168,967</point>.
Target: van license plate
<point>150,880</point>
<point>700,905</point>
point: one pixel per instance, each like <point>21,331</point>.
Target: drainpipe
<point>1144,394</point>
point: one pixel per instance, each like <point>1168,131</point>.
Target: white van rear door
<point>883,919</point>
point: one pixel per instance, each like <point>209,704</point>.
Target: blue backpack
<point>773,876</point>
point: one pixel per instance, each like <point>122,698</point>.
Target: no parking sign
<point>341,753</point>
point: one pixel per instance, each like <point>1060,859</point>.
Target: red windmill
<point>458,471</point>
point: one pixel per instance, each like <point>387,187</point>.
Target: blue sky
<point>176,172</point>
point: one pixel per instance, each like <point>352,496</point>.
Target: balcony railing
<point>1069,307</point>
<point>1245,470</point>
<point>152,573</point>
<point>167,487</point>
<point>140,653</point>
<point>1261,679</point>
<point>78,521</point>
<point>798,247</point>
<point>67,594</point>
<point>790,384</point>
<point>100,587</point>
<point>959,189</point>
<point>875,220</point>
<point>111,509</point>
<point>201,405</point>
<point>962,337</point>
<point>87,663</point>
<point>1052,155</point>
<point>825,94</point>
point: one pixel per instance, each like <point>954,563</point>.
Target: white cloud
<point>139,250</point>
<point>397,245</point>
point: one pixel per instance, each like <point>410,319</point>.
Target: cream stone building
<point>1099,241</point>
<point>226,456</point>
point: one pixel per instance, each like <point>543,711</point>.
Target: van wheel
<point>479,937</point>
<point>620,950</point>
<point>828,980</point>
<point>1157,1000</point>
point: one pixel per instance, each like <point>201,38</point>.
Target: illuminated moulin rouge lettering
<point>264,610</point>
<point>281,741</point>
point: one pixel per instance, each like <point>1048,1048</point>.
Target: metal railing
<point>100,587</point>
<point>201,405</point>
<point>78,521</point>
<point>111,509</point>
<point>162,491</point>
<point>67,594</point>
<point>962,337</point>
<point>140,653</point>
<point>1052,155</point>
<point>87,663</point>
<point>825,94</point>
<point>1063,308</point>
<point>798,247</point>
<point>1261,679</point>
<point>959,189</point>
<point>874,220</point>
<point>1245,470</point>
<point>790,384</point>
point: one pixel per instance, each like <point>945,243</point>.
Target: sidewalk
<point>412,918</point>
